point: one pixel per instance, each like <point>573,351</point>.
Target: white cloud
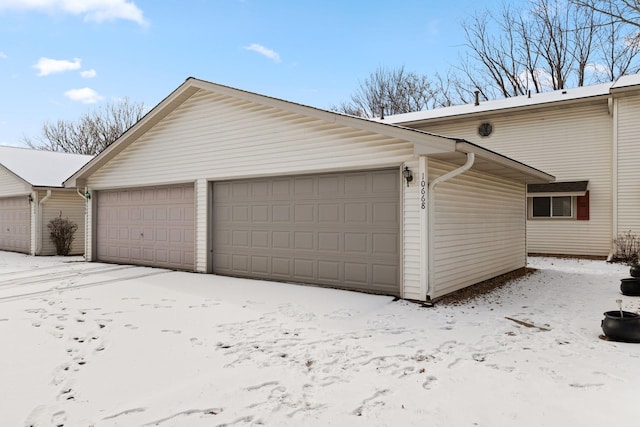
<point>90,10</point>
<point>88,74</point>
<point>597,68</point>
<point>3,55</point>
<point>271,54</point>
<point>541,75</point>
<point>85,95</point>
<point>48,66</point>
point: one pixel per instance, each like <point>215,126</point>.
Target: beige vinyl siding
<point>411,236</point>
<point>10,185</point>
<point>249,140</point>
<point>570,143</point>
<point>201,213</point>
<point>629,165</point>
<point>71,206</point>
<point>213,137</point>
<point>479,228</point>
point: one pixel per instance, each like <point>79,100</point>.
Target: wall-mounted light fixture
<point>87,195</point>
<point>408,175</point>
<point>30,198</point>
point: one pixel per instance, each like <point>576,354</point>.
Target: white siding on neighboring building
<point>479,228</point>
<point>70,205</point>
<point>628,122</point>
<point>571,143</point>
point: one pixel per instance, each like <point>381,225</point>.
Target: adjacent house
<point>224,181</point>
<point>31,194</point>
<point>587,137</point>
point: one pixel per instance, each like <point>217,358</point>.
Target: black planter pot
<point>630,286</point>
<point>625,328</point>
<point>635,270</point>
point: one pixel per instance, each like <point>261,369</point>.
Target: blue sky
<point>61,58</point>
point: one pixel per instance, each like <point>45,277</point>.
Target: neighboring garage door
<point>339,229</point>
<point>147,226</point>
<point>15,224</point>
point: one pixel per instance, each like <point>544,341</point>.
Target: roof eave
<point>441,143</point>
<point>502,110</point>
<point>528,174</point>
<point>168,104</point>
<point>192,85</point>
<point>18,177</point>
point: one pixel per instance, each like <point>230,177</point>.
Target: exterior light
<point>87,195</point>
<point>407,174</point>
<point>30,198</point>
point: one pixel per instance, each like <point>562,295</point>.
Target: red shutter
<point>582,207</point>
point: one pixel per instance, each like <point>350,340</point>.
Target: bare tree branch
<point>390,91</point>
<point>90,134</point>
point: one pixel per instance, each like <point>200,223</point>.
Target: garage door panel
<point>281,267</point>
<point>15,224</point>
<point>329,241</point>
<point>151,226</point>
<point>259,265</point>
<point>328,229</point>
<point>281,213</point>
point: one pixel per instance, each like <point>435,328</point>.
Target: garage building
<point>31,194</point>
<point>224,181</point>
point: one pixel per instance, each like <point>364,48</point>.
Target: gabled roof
<point>40,168</point>
<point>520,102</point>
<point>429,143</point>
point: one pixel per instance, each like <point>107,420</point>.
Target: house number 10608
<point>423,192</point>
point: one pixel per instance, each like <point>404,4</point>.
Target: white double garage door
<point>339,229</point>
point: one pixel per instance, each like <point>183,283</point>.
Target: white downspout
<point>614,180</point>
<point>471,157</point>
<point>39,233</point>
<point>86,213</point>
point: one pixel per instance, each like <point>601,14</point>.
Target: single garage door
<point>15,224</point>
<point>338,229</point>
<point>147,226</point>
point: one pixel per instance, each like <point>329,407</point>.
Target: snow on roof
<point>41,168</point>
<point>583,92</point>
<point>625,81</point>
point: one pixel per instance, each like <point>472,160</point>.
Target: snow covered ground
<point>88,344</point>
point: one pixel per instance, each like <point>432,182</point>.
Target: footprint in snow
<point>130,326</point>
<point>59,418</point>
<point>196,341</point>
<point>66,394</point>
<point>429,382</point>
<point>171,331</point>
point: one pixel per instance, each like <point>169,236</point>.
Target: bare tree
<point>92,133</point>
<point>551,45</point>
<point>388,91</point>
<point>620,35</point>
<point>621,11</point>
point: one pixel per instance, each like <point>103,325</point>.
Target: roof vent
<point>477,93</point>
